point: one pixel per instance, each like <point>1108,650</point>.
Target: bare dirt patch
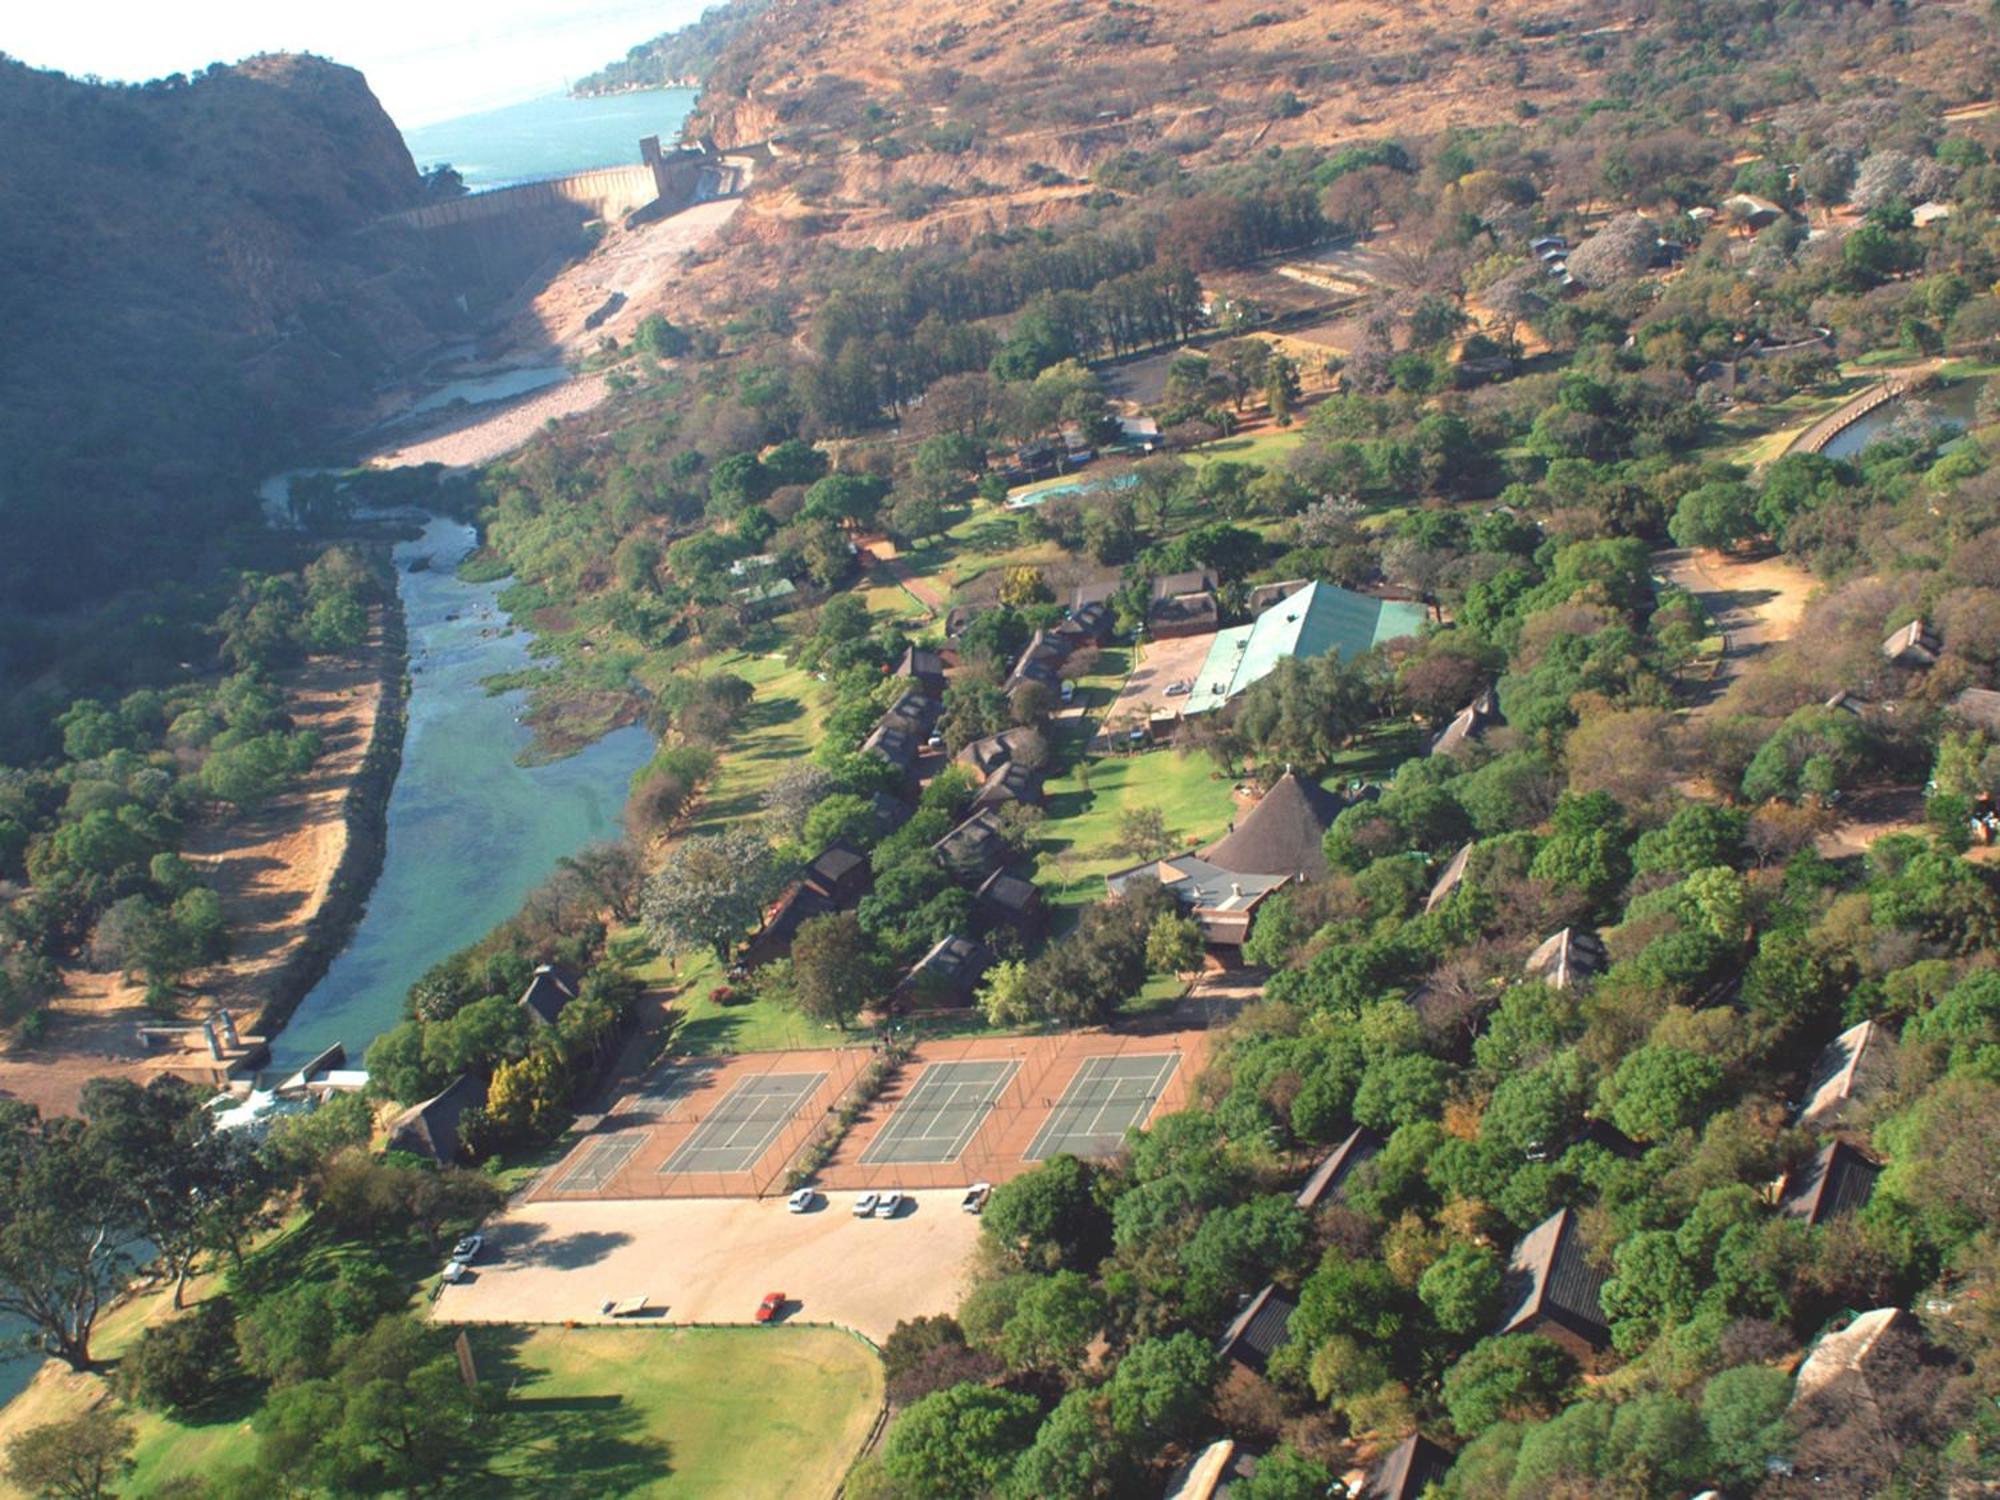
<point>1755,602</point>
<point>711,1260</point>
<point>273,868</point>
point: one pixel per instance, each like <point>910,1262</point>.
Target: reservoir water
<point>1956,402</point>
<point>471,830</point>
<point>550,137</point>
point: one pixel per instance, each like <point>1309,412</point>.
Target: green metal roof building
<point>1318,619</point>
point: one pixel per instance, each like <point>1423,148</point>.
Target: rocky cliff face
<point>186,299</point>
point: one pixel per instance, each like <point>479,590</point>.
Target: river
<point>471,830</point>
<point>1955,402</point>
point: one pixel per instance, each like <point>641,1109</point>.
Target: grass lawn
<point>780,727</point>
<point>743,1412</point>
<point>1084,803</point>
<point>587,1412</point>
<point>1266,449</point>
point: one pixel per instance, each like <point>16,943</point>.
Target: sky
<point>427,60</point>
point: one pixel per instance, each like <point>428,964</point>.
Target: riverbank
<point>294,877</point>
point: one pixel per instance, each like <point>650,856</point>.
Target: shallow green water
<point>471,832</point>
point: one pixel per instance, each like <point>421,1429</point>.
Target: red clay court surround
<point>976,1110</point>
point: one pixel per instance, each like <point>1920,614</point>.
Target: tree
<point>160,1145</point>
<point>1072,1455</point>
<point>394,1414</point>
<point>82,1458</point>
<point>1173,944</point>
<point>1285,1474</point>
<point>1516,1377</point>
<point>709,892</point>
<point>291,1334</point>
<point>834,970</point>
<point>1657,1090</point>
<point>1007,995</point>
<point>1282,389</point>
<point>1048,1216</point>
<point>1142,834</point>
<point>184,1362</point>
<point>842,817</point>
<point>958,1443</point>
<point>1462,1289</point>
<point>1160,1390</point>
<point>791,798</point>
<point>65,1223</point>
<point>1743,1411</point>
<point>1052,1324</point>
<point>1719,514</point>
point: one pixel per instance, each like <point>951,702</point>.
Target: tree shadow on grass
<point>571,1447</point>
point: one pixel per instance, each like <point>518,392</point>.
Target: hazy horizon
<point>429,61</point>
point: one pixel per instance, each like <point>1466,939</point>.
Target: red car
<point>770,1307</point>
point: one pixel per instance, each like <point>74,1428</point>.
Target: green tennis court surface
<point>1107,1097</point>
<point>945,1109</point>
<point>740,1130</point>
<point>601,1163</point>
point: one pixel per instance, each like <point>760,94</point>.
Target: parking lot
<point>711,1260</point>
<point>1160,665</point>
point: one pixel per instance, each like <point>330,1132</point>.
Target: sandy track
<point>710,1260</point>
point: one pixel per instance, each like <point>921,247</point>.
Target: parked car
<point>1068,691</point>
<point>802,1201</point>
<point>770,1307</point>
<point>888,1205</point>
<point>864,1205</point>
<point>976,1196</point>
<point>1179,689</point>
<point>468,1248</point>
<point>454,1272</point>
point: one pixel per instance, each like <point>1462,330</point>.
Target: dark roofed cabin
<point>798,906</point>
<point>1328,1183</point>
<point>1838,1181</point>
<point>1182,615</point>
<point>1552,1289</point>
<point>430,1129</point>
<point>1470,724</point>
<point>841,874</point>
<point>947,975</point>
<point>925,668</point>
<point>1258,1331</point>
<point>1012,782</point>
<point>974,849</point>
<point>1407,1470</point>
<point>1007,900</point>
<point>547,993</point>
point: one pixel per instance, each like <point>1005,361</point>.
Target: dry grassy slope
<point>1067,84</point>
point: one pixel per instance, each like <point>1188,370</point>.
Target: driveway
<point>710,1260</point>
<point>1755,602</point>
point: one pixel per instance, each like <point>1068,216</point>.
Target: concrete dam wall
<point>604,193</point>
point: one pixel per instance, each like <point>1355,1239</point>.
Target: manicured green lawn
<point>742,1412</point>
<point>1084,804</point>
<point>601,1412</point>
<point>1266,449</point>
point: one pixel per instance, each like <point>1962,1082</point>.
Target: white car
<point>802,1201</point>
<point>888,1205</point>
<point>454,1273</point>
<point>1068,692</point>
<point>864,1205</point>
<point>975,1197</point>
<point>468,1248</point>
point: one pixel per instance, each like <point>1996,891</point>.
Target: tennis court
<point>944,1111</point>
<point>601,1163</point>
<point>1107,1097</point>
<point>742,1127</point>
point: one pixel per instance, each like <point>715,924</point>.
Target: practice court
<point>942,1114</point>
<point>739,1130</point>
<point>1106,1098</point>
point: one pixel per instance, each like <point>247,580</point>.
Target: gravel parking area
<point>1159,664</point>
<point>710,1260</point>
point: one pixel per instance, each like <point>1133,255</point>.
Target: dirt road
<point>1755,602</point>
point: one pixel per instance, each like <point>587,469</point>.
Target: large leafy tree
<point>66,1222</point>
<point>957,1443</point>
<point>709,892</point>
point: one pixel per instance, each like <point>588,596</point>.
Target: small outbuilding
<point>1915,645</point>
<point>1568,957</point>
<point>1258,1331</point>
<point>1407,1470</point>
<point>430,1129</point>
<point>1838,1181</point>
<point>1328,1183</point>
<point>1856,1065</point>
<point>947,975</point>
<point>1551,1288</point>
<point>547,993</point>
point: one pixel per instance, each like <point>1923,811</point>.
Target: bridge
<point>1815,438</point>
